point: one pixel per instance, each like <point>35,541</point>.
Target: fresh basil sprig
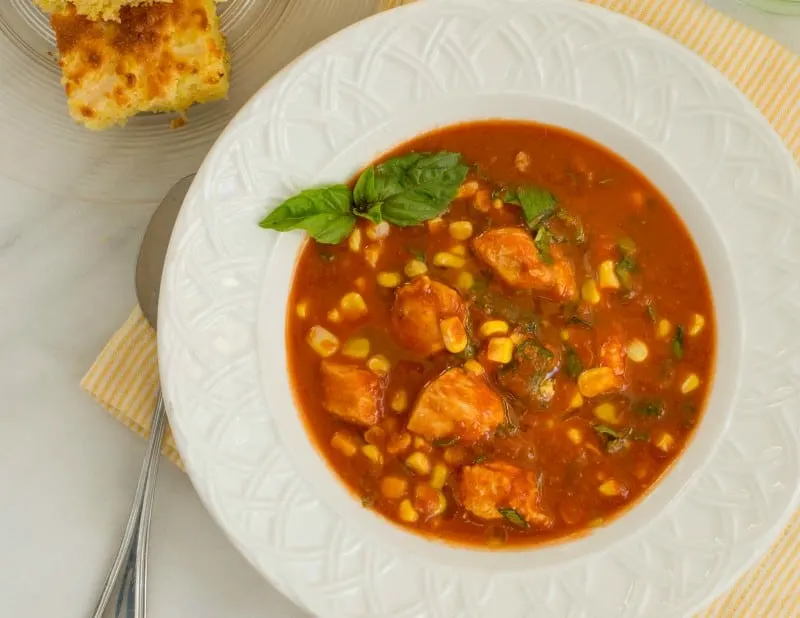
<point>405,190</point>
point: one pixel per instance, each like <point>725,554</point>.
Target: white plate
<point>222,314</point>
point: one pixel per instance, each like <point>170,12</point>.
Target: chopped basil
<point>651,310</point>
<point>572,363</point>
<point>367,502</point>
<point>419,254</point>
<point>444,442</point>
<point>480,459</point>
<point>677,343</point>
<point>542,242</point>
<point>575,223</point>
<point>654,408</point>
<point>607,432</point>
<point>613,441</point>
<point>513,516</point>
<point>537,204</point>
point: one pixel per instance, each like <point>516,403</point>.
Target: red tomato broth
<point>613,201</point>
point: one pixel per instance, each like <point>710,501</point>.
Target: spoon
<point>149,267</point>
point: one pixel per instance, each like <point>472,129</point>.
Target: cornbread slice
<point>93,9</point>
<point>157,58</point>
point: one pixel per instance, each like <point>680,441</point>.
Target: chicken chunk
<point>457,403</point>
<point>351,393</point>
<point>419,306</point>
<point>487,489</point>
<point>512,254</point>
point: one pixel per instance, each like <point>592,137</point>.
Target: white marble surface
<point>67,470</point>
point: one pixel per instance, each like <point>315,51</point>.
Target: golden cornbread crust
<point>93,9</point>
<point>157,58</point>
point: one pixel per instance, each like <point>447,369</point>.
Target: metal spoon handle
<point>143,530</point>
<point>151,454</point>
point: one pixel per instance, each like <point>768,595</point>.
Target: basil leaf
<point>537,204</point>
<point>323,212</point>
<point>513,516</point>
<point>572,363</point>
<point>542,242</point>
<point>677,343</point>
<point>445,441</point>
<point>416,187</point>
<point>364,192</point>
<point>480,459</point>
<point>608,433</point>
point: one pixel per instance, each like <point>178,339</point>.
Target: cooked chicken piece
<point>486,489</point>
<point>612,355</point>
<point>512,254</point>
<point>529,370</point>
<point>419,307</point>
<point>351,393</point>
<point>457,403</point>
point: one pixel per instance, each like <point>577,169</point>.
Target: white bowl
<point>223,301</point>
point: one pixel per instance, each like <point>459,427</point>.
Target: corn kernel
<point>517,338</point>
<point>361,283</point>
<point>354,240</point>
<point>664,328</point>
<point>415,267</point>
<point>378,231</point>
<point>393,487</point>
<point>574,434</point>
<point>398,443</point>
<point>606,275</point>
<point>356,348</point>
<point>302,309</point>
<point>438,476</point>
<point>379,365</point>
<point>453,334</point>
<point>501,350</point>
<point>665,442</point>
<point>596,381</point>
<point>564,334</point>
<point>474,367</point>
<point>637,350</point>
<point>482,200</point>
<point>434,225</point>
<point>690,383</point>
<point>373,453</point>
<point>576,401</point>
<point>522,161</point>
<point>419,463</point>
<point>334,316</point>
<point>460,230</point>
<point>353,306</point>
<point>459,250</point>
<point>406,512</point>
<point>611,488</point>
<point>696,325</point>
<point>375,435</point>
<point>637,198</point>
<point>465,281</point>
<point>448,260</point>
<point>455,455</point>
<point>497,203</point>
<point>389,280</point>
<point>607,413</point>
<point>372,253</point>
<point>399,401</point>
<point>441,504</point>
<point>345,444</point>
<point>322,341</point>
<point>468,189</point>
<point>493,327</point>
<point>589,292</point>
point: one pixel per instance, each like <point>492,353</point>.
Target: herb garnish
<point>653,408</point>
<point>572,363</point>
<point>513,516</point>
<point>444,442</point>
<point>537,204</point>
<point>677,343</point>
<point>542,242</point>
<point>404,190</point>
<point>613,441</point>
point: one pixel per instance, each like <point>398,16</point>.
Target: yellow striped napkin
<point>124,378</point>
